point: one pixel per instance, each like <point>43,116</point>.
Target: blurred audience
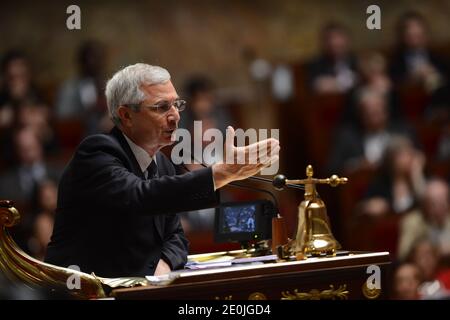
<point>20,182</point>
<point>414,62</point>
<point>38,118</point>
<point>400,180</point>
<point>82,97</point>
<point>333,71</point>
<point>361,145</point>
<point>427,257</point>
<point>372,77</point>
<point>202,106</point>
<point>407,279</point>
<point>43,222</point>
<point>17,87</point>
<point>35,117</point>
<point>373,72</point>
<point>431,221</point>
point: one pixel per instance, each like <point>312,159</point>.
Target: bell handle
<point>333,181</point>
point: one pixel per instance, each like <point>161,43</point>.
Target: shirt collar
<point>142,157</point>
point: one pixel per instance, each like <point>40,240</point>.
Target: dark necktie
<point>152,170</point>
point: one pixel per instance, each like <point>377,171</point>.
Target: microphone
<point>279,232</point>
<point>278,182</point>
<point>242,186</point>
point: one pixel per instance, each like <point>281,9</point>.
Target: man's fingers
<point>254,153</point>
<point>270,143</point>
<point>229,145</point>
<point>265,154</point>
<point>262,147</point>
<point>229,139</point>
<point>271,160</point>
<point>267,163</point>
<point>254,156</point>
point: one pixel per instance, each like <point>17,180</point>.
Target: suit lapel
<point>136,169</point>
<point>158,220</point>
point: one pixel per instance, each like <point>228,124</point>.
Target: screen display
<point>239,219</point>
<point>243,221</point>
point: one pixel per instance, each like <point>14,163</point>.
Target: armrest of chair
<point>18,266</point>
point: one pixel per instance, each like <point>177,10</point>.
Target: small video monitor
<point>244,221</point>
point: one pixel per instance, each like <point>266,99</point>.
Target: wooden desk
<point>315,278</point>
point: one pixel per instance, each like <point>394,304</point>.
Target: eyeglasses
<point>164,106</point>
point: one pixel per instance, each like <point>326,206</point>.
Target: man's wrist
<point>220,176</point>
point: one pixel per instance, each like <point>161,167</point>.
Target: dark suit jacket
<point>10,185</point>
<point>111,221</point>
<point>349,144</point>
<point>399,69</point>
<point>324,66</point>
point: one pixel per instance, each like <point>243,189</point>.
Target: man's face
<point>436,202</point>
<point>373,112</point>
<point>28,147</point>
<point>415,36</point>
<point>407,282</point>
<point>336,44</point>
<point>18,77</point>
<point>151,127</point>
<point>425,257</point>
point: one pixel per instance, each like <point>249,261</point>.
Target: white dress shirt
<point>142,157</point>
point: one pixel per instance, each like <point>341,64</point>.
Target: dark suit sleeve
<point>101,178</point>
<point>175,246</point>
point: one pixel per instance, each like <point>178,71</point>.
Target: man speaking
<point>118,197</point>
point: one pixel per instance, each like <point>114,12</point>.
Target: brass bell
<point>314,235</point>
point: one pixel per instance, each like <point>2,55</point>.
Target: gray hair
<point>125,86</point>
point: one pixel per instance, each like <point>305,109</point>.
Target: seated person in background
<point>32,116</point>
<point>37,117</point>
<point>203,107</point>
<point>407,279</point>
<point>43,222</point>
<point>413,61</point>
<point>426,256</point>
<point>372,76</point>
<point>20,182</point>
<point>400,181</point>
<point>81,97</point>
<point>361,145</point>
<point>17,86</point>
<point>432,221</point>
<point>119,196</point>
<point>334,70</point>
